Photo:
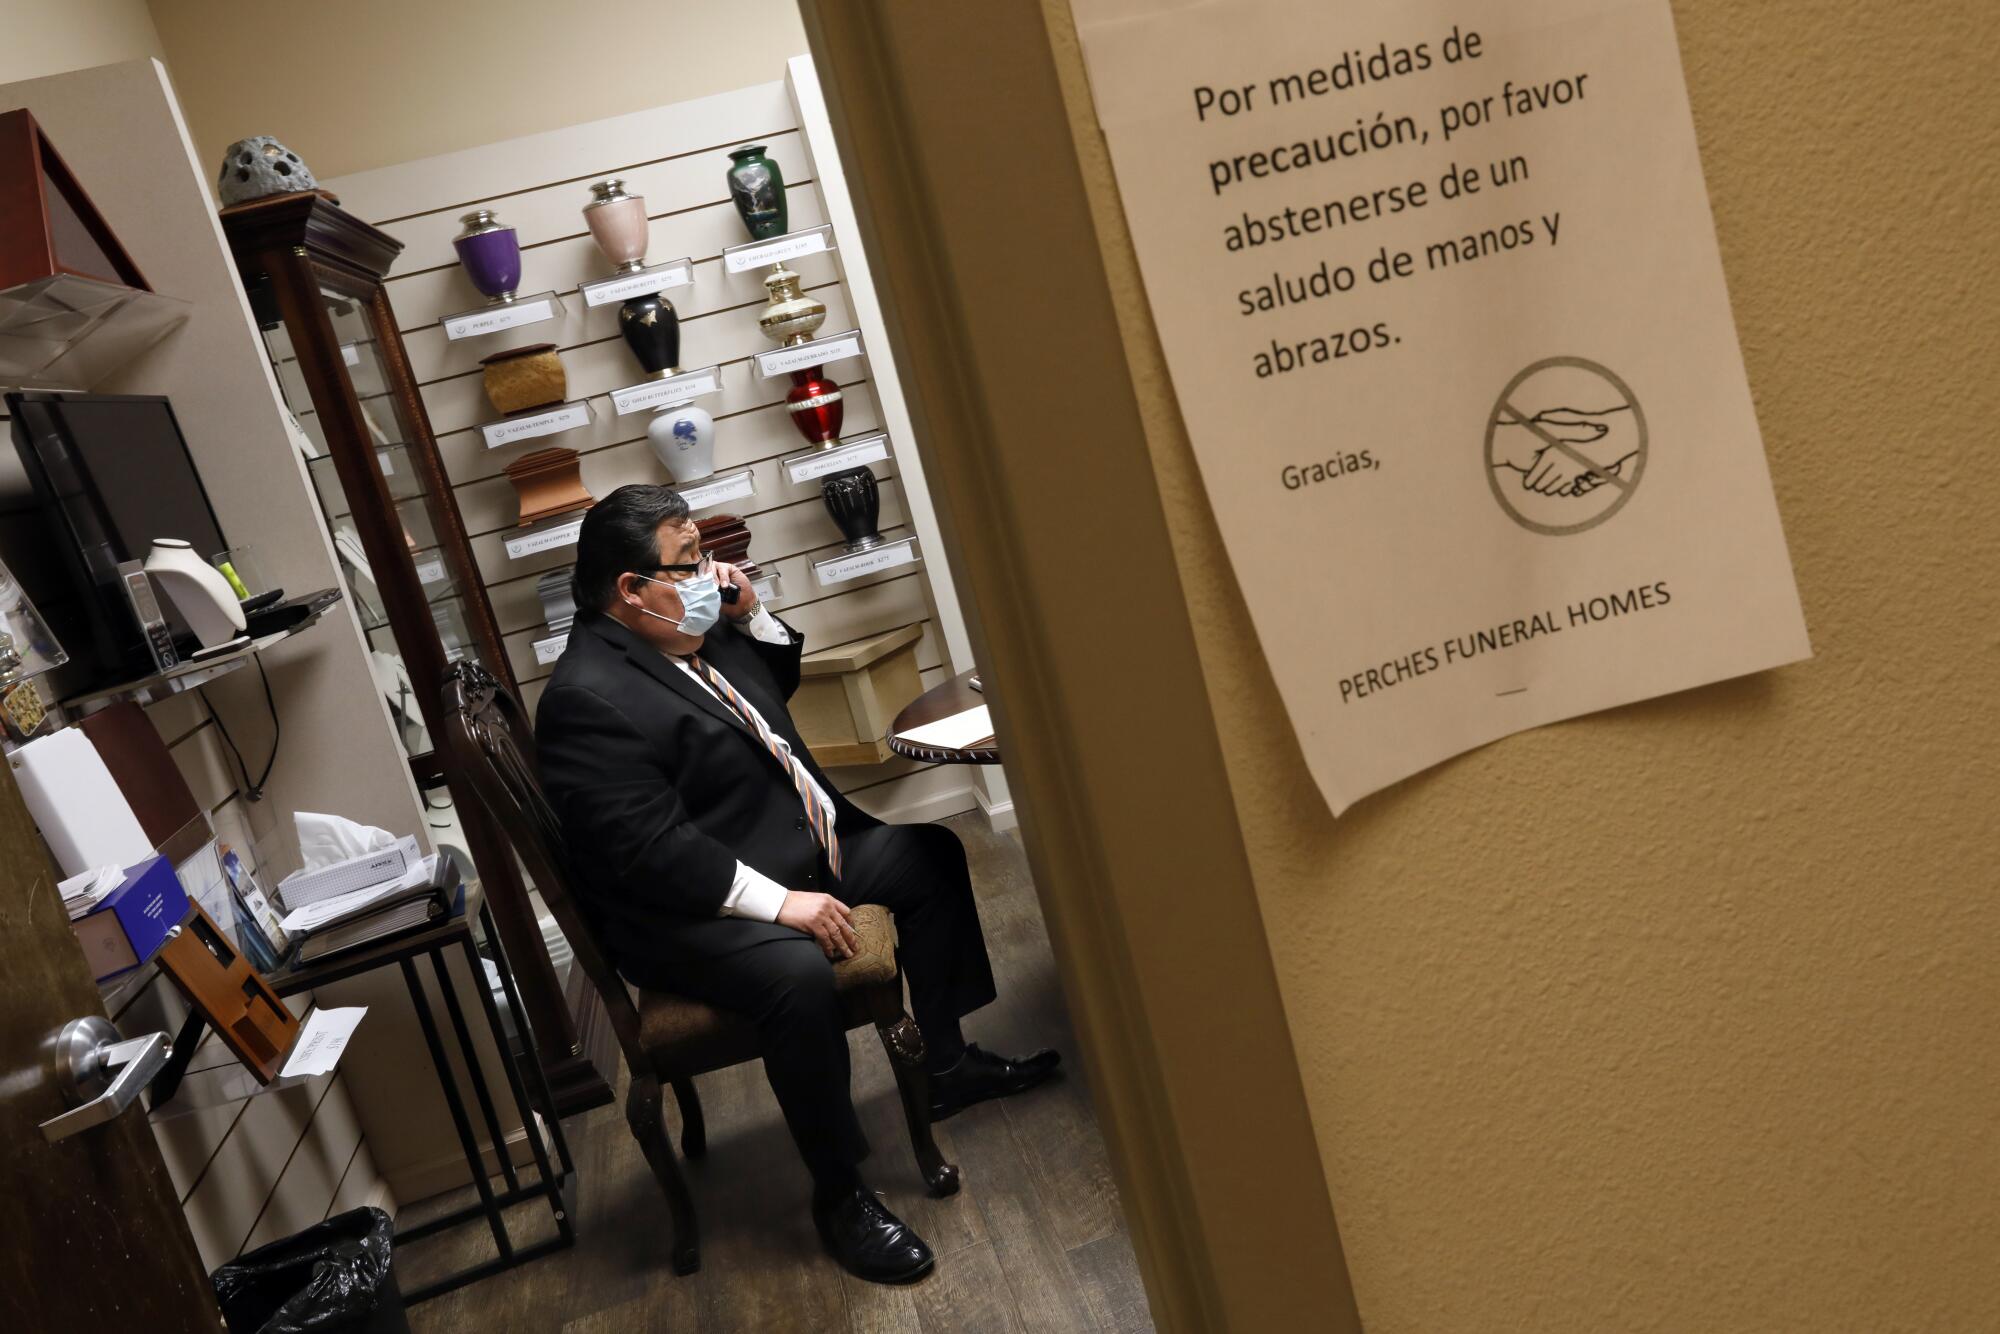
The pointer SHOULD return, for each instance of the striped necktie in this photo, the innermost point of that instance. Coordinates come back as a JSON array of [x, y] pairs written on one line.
[[818, 819]]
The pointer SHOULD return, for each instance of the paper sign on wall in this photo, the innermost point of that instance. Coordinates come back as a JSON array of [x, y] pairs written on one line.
[[1440, 294]]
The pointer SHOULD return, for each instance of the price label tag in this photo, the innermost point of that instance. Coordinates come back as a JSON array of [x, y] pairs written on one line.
[[388, 465], [802, 468], [818, 352], [565, 418], [548, 650], [548, 539], [430, 572], [659, 393], [623, 286], [736, 486], [840, 569], [792, 245], [767, 588], [492, 319], [350, 354]]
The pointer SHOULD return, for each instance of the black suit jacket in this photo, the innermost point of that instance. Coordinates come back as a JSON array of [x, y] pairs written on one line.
[[661, 791]]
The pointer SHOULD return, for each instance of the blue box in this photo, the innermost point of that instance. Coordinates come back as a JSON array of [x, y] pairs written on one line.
[[130, 925]]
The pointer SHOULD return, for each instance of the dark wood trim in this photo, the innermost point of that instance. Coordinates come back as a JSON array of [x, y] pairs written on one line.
[[27, 238], [306, 244]]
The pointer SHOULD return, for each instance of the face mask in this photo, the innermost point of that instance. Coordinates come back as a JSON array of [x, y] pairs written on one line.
[[701, 605]]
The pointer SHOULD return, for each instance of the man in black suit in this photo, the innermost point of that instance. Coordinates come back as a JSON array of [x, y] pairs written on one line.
[[716, 861]]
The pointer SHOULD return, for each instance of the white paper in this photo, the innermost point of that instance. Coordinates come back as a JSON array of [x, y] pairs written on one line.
[[548, 539], [553, 422], [658, 278], [953, 733], [803, 468], [1439, 290], [735, 486], [816, 352], [498, 317], [357, 901], [322, 1038], [81, 893]]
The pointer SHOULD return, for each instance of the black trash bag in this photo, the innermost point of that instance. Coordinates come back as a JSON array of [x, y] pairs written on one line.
[[332, 1278]]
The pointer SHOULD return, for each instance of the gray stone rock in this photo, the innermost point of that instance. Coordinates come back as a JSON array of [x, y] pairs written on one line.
[[253, 168]]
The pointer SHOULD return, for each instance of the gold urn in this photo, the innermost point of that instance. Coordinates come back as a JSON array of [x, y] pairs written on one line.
[[792, 317]]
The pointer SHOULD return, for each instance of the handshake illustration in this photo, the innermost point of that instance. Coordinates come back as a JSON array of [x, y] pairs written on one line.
[[1567, 452]]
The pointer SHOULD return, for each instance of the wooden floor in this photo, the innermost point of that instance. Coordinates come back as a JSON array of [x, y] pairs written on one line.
[[1034, 1242]]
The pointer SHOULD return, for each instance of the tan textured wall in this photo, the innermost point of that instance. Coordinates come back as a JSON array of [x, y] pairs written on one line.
[[365, 83], [41, 37], [1681, 1017]]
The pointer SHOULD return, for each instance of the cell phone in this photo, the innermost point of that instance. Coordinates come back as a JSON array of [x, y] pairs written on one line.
[[730, 592]]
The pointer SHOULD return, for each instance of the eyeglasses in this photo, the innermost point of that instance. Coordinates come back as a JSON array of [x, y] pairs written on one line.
[[703, 569]]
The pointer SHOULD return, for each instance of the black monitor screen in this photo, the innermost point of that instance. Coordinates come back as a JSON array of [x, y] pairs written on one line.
[[115, 472]]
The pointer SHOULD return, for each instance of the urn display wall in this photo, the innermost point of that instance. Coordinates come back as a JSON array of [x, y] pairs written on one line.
[[757, 188], [490, 252], [618, 224]]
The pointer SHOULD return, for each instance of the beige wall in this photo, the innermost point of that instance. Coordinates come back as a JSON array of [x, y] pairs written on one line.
[[56, 36], [1680, 1017], [367, 83]]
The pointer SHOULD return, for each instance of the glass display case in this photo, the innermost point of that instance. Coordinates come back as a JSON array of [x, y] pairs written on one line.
[[314, 274]]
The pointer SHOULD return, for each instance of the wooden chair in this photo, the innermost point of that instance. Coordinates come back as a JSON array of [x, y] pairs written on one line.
[[666, 1038]]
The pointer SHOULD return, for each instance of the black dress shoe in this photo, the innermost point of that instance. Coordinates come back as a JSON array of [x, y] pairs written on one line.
[[980, 1076], [858, 1230]]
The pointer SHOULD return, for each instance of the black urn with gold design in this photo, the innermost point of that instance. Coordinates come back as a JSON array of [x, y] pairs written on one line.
[[652, 329]]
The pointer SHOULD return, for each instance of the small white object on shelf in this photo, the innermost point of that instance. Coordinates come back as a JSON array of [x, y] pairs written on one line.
[[681, 388], [549, 649], [197, 590], [553, 422], [792, 245], [803, 468], [532, 541], [623, 286], [769, 588], [740, 485], [507, 315], [855, 564], [813, 352]]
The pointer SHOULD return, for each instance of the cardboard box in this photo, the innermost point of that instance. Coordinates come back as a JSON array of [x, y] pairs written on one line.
[[129, 926]]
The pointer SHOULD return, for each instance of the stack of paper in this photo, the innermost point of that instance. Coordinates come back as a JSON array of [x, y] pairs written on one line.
[[970, 728], [81, 893]]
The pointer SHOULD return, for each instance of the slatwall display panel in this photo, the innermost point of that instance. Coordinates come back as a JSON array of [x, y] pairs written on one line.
[[676, 158], [249, 1170]]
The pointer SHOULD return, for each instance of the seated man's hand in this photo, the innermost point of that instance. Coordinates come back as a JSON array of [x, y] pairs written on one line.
[[824, 918]]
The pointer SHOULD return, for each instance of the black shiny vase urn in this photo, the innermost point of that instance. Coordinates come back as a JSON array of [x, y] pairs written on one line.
[[652, 329], [855, 501]]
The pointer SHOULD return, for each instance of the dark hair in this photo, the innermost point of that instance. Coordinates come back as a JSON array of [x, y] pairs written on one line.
[[620, 533]]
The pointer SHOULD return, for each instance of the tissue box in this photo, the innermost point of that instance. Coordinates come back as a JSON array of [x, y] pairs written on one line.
[[128, 927], [370, 868]]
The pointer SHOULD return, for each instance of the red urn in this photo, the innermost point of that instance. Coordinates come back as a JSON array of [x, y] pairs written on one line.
[[815, 405]]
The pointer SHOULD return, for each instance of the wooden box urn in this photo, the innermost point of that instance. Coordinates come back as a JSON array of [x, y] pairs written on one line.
[[548, 483], [848, 697]]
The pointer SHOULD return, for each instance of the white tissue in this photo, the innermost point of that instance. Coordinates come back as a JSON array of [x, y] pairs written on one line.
[[326, 839]]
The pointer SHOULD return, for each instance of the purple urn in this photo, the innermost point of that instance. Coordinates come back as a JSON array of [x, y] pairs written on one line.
[[491, 254]]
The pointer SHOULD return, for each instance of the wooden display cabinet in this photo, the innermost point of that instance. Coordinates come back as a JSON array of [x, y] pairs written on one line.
[[315, 274]]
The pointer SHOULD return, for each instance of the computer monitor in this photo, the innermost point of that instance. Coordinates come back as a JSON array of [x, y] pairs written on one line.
[[111, 473]]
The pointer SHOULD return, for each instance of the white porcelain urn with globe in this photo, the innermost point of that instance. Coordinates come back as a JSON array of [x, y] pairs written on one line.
[[683, 439]]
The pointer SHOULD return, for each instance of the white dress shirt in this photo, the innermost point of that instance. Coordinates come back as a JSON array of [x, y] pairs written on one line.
[[752, 893]]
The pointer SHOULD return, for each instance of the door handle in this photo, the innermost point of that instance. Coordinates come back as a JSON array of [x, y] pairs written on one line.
[[100, 1071]]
